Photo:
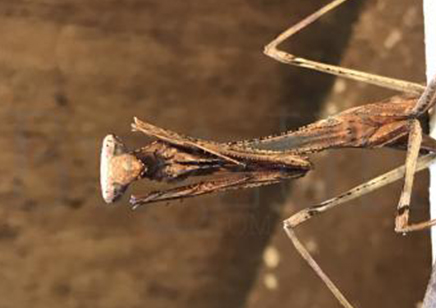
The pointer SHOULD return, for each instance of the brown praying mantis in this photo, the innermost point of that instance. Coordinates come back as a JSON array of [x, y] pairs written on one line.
[[174, 158]]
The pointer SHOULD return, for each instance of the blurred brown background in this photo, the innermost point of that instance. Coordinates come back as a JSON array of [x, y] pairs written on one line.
[[72, 71]]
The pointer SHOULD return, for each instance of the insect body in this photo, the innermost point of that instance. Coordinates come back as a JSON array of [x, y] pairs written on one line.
[[393, 122], [174, 158]]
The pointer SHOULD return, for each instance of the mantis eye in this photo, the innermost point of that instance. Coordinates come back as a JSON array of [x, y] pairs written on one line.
[[118, 168]]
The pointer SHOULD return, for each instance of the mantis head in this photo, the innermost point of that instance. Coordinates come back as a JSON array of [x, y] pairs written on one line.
[[118, 168]]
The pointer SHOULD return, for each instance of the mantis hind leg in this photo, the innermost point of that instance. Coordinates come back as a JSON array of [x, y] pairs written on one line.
[[302, 250], [426, 101], [302, 216], [272, 51], [413, 147]]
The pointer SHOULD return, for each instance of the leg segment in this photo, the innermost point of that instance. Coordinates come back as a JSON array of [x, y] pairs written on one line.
[[314, 265], [272, 51], [358, 191], [180, 140], [413, 146], [426, 101], [403, 210], [305, 214], [238, 181]]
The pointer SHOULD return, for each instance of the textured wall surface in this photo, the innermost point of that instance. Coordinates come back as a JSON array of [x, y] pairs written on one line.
[[72, 71]]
